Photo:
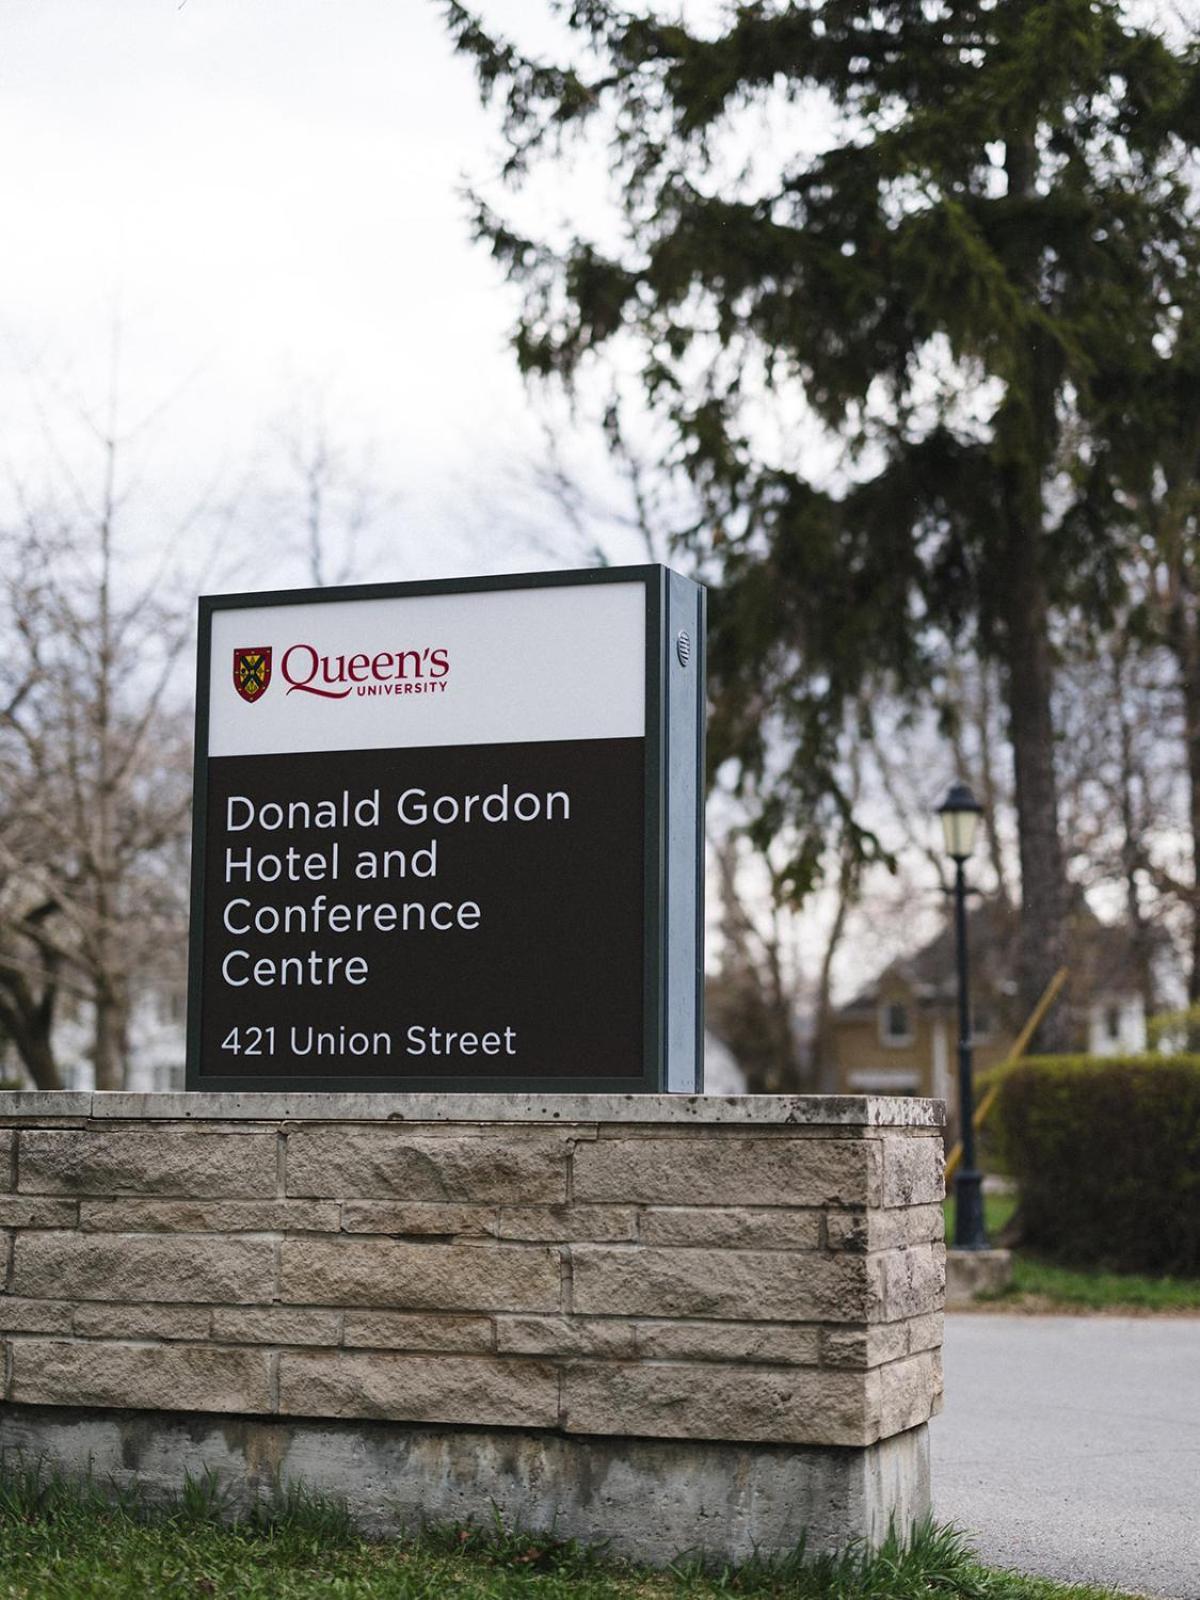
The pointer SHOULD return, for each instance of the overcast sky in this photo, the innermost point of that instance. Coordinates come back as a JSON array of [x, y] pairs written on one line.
[[266, 192]]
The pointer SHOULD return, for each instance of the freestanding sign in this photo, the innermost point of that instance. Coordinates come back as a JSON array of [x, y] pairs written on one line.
[[449, 836]]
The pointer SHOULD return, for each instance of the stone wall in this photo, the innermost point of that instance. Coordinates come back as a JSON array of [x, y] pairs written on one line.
[[765, 1271]]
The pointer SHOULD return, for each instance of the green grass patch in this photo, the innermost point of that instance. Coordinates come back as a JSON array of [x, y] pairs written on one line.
[[63, 1542], [997, 1212], [1096, 1290], [1043, 1284]]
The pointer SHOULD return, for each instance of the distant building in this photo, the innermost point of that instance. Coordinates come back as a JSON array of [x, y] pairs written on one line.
[[899, 1035]]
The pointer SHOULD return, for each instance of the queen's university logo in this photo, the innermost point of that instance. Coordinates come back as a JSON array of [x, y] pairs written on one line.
[[252, 673]]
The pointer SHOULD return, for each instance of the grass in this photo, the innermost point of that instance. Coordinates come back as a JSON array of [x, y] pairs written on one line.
[[67, 1542], [1043, 1285], [997, 1211], [1096, 1290]]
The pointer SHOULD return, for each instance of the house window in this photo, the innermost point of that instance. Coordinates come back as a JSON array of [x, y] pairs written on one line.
[[982, 1022], [895, 1023], [1112, 1022]]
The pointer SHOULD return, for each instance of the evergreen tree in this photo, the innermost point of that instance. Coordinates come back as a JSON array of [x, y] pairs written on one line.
[[1153, 449], [997, 212]]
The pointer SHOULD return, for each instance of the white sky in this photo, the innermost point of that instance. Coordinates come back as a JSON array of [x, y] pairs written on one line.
[[267, 192]]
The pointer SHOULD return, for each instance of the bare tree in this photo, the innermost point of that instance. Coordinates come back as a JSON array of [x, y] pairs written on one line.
[[846, 884], [1121, 761], [94, 748], [754, 997], [322, 494]]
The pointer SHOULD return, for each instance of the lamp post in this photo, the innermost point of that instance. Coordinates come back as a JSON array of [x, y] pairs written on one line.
[[960, 813]]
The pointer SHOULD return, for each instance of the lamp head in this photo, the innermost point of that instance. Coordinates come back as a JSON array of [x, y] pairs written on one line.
[[960, 813]]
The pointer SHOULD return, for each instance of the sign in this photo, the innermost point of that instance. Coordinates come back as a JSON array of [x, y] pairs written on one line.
[[450, 836]]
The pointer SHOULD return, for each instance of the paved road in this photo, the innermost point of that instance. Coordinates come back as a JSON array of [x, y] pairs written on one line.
[[1070, 1447]]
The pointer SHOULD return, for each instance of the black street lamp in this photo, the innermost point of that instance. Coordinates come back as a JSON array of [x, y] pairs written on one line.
[[960, 813]]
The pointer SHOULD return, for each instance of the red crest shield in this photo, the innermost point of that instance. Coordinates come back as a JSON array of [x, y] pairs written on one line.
[[252, 672]]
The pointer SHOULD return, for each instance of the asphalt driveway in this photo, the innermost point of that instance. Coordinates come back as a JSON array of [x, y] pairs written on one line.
[[1070, 1447]]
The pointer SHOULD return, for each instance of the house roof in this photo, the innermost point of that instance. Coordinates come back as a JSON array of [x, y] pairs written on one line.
[[1101, 957]]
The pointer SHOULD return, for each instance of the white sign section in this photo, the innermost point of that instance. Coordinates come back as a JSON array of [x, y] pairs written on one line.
[[446, 669], [448, 836]]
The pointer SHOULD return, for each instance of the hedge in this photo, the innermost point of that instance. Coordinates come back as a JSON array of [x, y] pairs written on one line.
[[1106, 1152]]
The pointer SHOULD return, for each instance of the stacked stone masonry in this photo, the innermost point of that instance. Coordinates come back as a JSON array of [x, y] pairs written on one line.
[[767, 1271]]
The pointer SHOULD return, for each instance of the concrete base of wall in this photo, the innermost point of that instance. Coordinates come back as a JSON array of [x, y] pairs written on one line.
[[647, 1500], [970, 1273]]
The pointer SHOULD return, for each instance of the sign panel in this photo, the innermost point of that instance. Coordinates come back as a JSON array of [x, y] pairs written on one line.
[[449, 836]]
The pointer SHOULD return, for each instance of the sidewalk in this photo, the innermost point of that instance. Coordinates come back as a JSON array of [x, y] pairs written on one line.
[[1070, 1447]]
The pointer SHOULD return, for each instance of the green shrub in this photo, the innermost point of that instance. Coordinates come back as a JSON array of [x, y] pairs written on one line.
[[1106, 1152]]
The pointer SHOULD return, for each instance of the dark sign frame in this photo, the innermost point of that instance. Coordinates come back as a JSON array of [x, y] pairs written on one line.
[[673, 845]]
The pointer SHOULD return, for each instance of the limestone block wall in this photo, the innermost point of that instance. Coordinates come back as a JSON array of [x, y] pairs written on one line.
[[751, 1269]]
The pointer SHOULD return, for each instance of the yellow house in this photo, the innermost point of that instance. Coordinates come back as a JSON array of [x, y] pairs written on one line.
[[899, 1034]]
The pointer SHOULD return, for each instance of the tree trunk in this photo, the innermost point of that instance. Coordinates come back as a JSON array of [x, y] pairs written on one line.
[[1026, 432], [28, 1025], [990, 789], [1133, 853], [824, 1048], [1174, 581], [38, 1056], [1043, 875], [1186, 647], [109, 1047]]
